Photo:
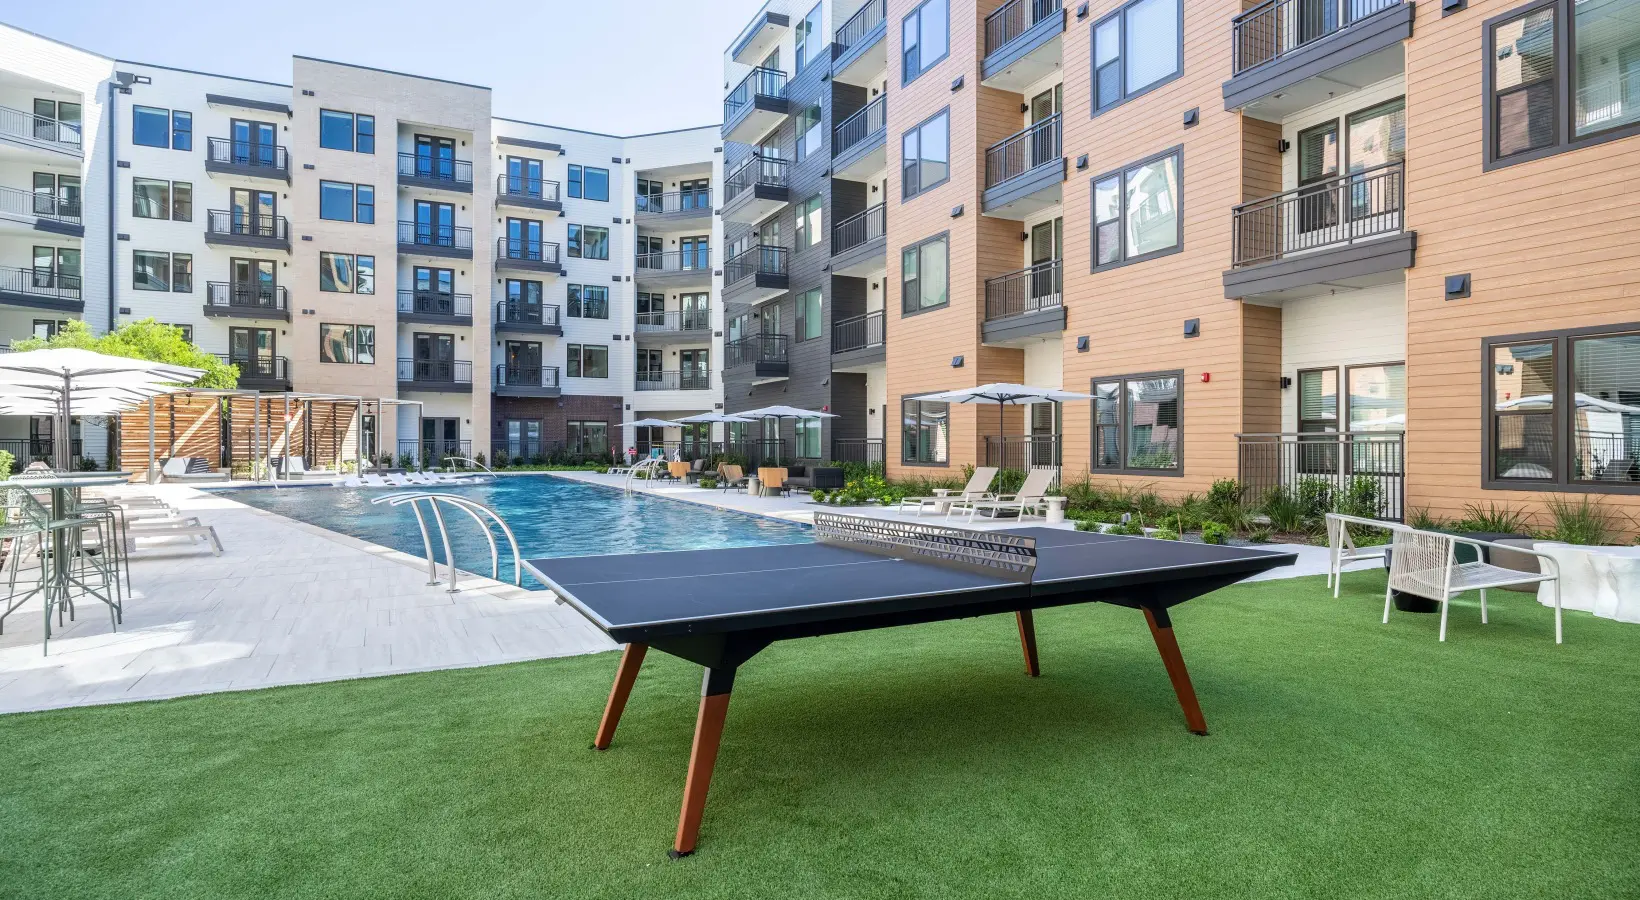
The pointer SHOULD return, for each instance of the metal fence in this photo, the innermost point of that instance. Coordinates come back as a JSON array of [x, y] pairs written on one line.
[[760, 82], [527, 376], [1023, 151], [673, 381], [859, 228], [435, 303], [674, 320], [1026, 291], [858, 332], [429, 234], [868, 120], [755, 348], [527, 251], [40, 282], [857, 450], [264, 368], [247, 153], [21, 124], [1326, 464], [432, 452], [1021, 453], [436, 371], [1277, 27], [243, 224], [42, 205], [763, 259], [1328, 213], [27, 450], [526, 187], [756, 169], [676, 201], [1014, 19], [247, 295], [858, 25], [510, 313], [436, 168], [697, 260]]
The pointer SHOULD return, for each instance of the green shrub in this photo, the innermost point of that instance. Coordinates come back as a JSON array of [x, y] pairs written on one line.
[[1087, 525], [1499, 518], [6, 463], [1420, 518], [1284, 509], [479, 458], [1259, 536], [1224, 492], [707, 482], [1582, 521], [1165, 534], [1360, 498], [1130, 527], [1315, 495], [818, 496], [1215, 532], [407, 460], [1224, 504]]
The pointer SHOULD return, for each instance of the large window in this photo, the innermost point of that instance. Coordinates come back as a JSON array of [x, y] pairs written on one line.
[[588, 301], [925, 155], [924, 38], [588, 242], [925, 277], [152, 126], [925, 436], [156, 198], [808, 40], [1564, 411], [807, 228], [156, 271], [1136, 211], [345, 273], [811, 132], [808, 439], [347, 131], [1561, 74], [347, 344], [587, 361], [586, 438], [808, 315], [588, 183], [343, 202], [1137, 424], [182, 130], [1135, 49]]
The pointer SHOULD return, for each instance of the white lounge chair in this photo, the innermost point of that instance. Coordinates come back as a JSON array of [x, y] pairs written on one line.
[[190, 468], [977, 488], [1425, 564], [188, 528], [1341, 549], [418, 478], [1033, 495], [397, 479], [373, 480]]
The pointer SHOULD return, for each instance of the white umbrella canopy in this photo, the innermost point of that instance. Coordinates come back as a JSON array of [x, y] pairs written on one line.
[[654, 423], [1005, 394], [67, 371], [783, 412], [708, 417]]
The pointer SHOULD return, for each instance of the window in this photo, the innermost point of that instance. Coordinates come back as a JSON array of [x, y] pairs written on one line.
[[1135, 49], [187, 332], [1136, 211], [587, 361], [340, 201], [182, 130], [808, 439], [1318, 401], [150, 271], [588, 183], [366, 139], [809, 43], [923, 39], [46, 329], [367, 204], [586, 438], [182, 201], [347, 131], [345, 273], [925, 435], [347, 344], [925, 155], [1137, 424], [150, 127], [182, 273], [808, 222], [808, 315], [588, 301], [588, 242], [150, 198], [924, 275], [811, 134]]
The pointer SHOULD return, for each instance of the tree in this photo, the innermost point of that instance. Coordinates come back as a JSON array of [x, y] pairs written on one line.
[[144, 339]]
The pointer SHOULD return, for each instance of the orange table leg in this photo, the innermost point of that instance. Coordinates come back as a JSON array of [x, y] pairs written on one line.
[[714, 706], [631, 658], [1161, 628], [1027, 642]]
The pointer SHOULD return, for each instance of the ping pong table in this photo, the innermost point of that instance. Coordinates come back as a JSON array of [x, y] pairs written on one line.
[[718, 608]]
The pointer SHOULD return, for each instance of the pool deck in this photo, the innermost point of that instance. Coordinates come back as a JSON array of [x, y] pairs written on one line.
[[292, 603]]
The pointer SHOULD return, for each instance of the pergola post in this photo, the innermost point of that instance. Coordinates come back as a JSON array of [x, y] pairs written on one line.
[[153, 474]]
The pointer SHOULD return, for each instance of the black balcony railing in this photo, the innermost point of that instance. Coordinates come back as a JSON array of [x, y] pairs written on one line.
[[760, 82], [259, 367], [857, 333], [1328, 213], [240, 224], [428, 234], [675, 320], [249, 296], [755, 349], [763, 259], [436, 371], [41, 205], [527, 251], [429, 452], [511, 313], [16, 123], [27, 450], [1326, 463], [1021, 453], [1014, 19], [1023, 151], [247, 153], [857, 450], [673, 381], [756, 169], [526, 187], [1277, 27], [859, 229], [39, 282], [697, 260], [858, 26], [868, 120], [1026, 291], [526, 376], [436, 168], [435, 303], [696, 199]]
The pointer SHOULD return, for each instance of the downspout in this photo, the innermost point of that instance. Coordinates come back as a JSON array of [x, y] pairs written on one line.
[[113, 208]]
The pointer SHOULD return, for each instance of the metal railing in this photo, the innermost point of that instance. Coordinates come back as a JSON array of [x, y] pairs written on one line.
[[436, 371], [1277, 27], [1014, 19], [1026, 291], [247, 295], [27, 450], [674, 320], [1325, 465], [427, 453], [428, 234], [1611, 98], [527, 251], [436, 168], [863, 123], [858, 332], [526, 376], [247, 153], [857, 450], [755, 349], [756, 169], [1328, 213], [19, 202], [239, 224], [39, 282], [16, 123], [858, 25], [526, 187], [698, 199], [1023, 151], [479, 513], [435, 303], [763, 259], [1022, 453], [264, 368], [760, 82], [525, 313], [697, 260], [859, 228], [673, 381]]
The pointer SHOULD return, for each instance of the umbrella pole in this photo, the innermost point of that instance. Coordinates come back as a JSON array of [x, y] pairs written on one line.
[[65, 442]]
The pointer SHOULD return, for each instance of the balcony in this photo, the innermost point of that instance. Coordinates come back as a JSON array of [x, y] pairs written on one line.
[[675, 208], [756, 274], [435, 307], [524, 318], [672, 381], [760, 37], [260, 373], [435, 173], [858, 52], [756, 189], [1025, 173], [1022, 43], [233, 300], [765, 353], [1338, 459], [755, 106], [40, 289], [1343, 232], [1025, 304], [443, 376], [443, 241], [1288, 55], [682, 268], [526, 381], [41, 212], [528, 193], [674, 327], [236, 229], [245, 159], [858, 341], [859, 243], [858, 143], [527, 256], [40, 133]]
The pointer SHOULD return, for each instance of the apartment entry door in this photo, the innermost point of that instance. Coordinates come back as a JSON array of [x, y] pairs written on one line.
[[523, 362], [253, 142], [435, 290], [252, 350], [435, 357], [695, 369], [253, 283], [435, 157], [523, 239], [1047, 244], [435, 223], [441, 435], [252, 212], [524, 176]]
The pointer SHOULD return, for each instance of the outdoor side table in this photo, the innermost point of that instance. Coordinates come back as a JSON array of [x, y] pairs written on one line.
[[1056, 510]]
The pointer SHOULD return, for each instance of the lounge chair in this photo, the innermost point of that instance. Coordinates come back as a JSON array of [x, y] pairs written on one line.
[[397, 479], [1032, 496], [730, 476], [1341, 549], [188, 528], [373, 480], [418, 478], [771, 479], [977, 488], [190, 468], [289, 467], [696, 470], [1425, 564]]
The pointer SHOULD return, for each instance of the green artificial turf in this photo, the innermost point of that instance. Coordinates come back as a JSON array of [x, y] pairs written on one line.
[[1347, 759]]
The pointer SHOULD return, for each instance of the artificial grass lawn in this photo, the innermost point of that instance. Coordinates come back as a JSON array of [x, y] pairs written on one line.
[[1347, 759]]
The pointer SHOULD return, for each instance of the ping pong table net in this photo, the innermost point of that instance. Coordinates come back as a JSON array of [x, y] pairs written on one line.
[[1003, 555]]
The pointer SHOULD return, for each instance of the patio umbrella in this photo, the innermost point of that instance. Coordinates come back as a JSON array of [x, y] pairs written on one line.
[[67, 370], [710, 417], [654, 423], [784, 412], [1004, 394]]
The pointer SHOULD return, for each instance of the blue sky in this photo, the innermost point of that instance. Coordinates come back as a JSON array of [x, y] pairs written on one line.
[[615, 66]]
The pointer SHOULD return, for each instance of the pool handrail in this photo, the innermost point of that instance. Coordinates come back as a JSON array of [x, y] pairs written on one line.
[[650, 465], [473, 509]]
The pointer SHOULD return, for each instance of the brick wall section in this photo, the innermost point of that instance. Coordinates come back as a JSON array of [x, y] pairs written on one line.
[[553, 412]]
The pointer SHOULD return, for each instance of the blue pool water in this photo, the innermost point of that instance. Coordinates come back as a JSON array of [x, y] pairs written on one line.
[[549, 516]]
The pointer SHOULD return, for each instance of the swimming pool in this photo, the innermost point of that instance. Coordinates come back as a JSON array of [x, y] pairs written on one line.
[[549, 516]]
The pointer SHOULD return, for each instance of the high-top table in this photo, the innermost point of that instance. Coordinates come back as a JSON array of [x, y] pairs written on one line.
[[64, 489]]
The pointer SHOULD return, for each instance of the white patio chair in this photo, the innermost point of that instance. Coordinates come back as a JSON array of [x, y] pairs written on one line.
[[1033, 495], [1341, 549], [977, 488], [1425, 564]]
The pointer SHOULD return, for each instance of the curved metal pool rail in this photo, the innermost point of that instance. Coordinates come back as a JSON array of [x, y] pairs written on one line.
[[487, 470], [652, 465], [481, 514]]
